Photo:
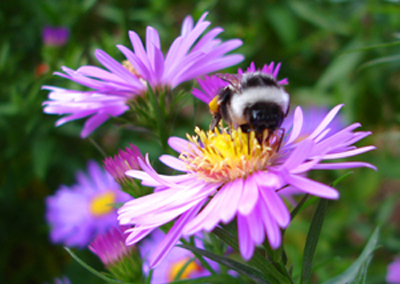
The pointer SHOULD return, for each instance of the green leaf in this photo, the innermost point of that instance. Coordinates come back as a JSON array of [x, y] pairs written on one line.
[[213, 279], [379, 61], [339, 69], [357, 272], [318, 17], [253, 274], [94, 271], [372, 47], [258, 261], [312, 239]]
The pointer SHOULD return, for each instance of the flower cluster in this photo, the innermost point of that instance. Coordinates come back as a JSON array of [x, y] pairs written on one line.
[[227, 174]]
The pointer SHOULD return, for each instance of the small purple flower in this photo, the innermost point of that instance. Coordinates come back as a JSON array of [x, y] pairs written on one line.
[[176, 259], [55, 36], [393, 272], [62, 280], [229, 174], [211, 85], [78, 213], [124, 161], [110, 247], [189, 56]]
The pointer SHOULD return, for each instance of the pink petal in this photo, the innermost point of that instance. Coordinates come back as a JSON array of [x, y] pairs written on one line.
[[249, 196]]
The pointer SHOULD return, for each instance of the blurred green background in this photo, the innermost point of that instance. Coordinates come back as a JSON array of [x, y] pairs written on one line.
[[332, 52]]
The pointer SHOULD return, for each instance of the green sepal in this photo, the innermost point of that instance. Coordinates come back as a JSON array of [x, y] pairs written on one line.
[[101, 275]]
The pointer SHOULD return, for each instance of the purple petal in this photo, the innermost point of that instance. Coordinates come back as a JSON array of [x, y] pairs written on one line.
[[349, 153], [246, 245], [254, 221], [136, 234], [299, 154], [114, 66], [312, 187], [232, 196], [344, 165], [271, 227], [92, 123], [276, 206], [325, 122], [173, 236], [297, 125], [209, 217]]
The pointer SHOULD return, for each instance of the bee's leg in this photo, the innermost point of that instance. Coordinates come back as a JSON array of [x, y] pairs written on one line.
[[245, 128], [215, 120]]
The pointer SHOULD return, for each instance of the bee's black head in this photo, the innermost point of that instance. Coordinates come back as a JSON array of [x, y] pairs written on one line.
[[264, 115]]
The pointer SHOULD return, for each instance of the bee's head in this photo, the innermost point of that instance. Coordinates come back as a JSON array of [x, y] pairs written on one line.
[[263, 115]]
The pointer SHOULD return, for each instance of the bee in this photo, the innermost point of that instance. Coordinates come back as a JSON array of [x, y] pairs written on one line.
[[252, 101]]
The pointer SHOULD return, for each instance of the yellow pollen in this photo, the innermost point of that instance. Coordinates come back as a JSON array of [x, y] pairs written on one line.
[[177, 266], [102, 204], [223, 156]]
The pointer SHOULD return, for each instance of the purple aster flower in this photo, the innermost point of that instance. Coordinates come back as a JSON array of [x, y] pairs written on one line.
[[190, 55], [78, 213], [229, 174], [393, 272], [211, 85], [110, 247], [176, 259], [55, 36], [124, 161]]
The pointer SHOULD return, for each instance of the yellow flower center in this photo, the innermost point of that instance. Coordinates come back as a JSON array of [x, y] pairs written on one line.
[[101, 204], [177, 267], [223, 156]]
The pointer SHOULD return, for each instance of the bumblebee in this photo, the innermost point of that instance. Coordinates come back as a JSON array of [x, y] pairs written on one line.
[[252, 101]]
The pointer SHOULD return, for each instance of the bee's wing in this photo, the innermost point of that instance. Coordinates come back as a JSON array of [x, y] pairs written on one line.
[[232, 79]]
